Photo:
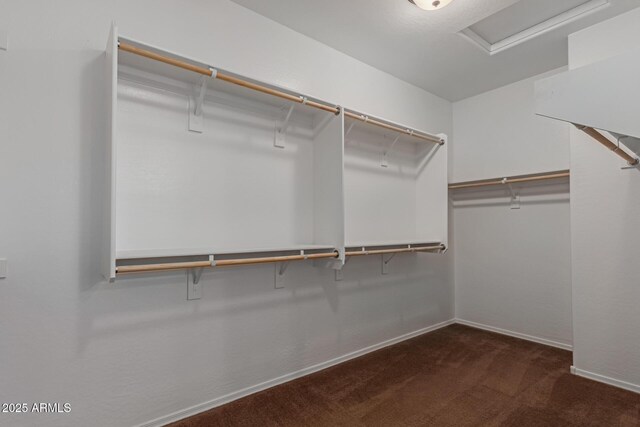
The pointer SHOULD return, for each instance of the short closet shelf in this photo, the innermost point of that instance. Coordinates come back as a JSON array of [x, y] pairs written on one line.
[[395, 185]]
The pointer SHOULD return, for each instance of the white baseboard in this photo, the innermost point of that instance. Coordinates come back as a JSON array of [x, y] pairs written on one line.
[[515, 334], [604, 379], [205, 406]]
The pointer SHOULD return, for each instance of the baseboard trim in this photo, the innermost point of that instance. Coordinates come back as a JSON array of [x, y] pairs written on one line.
[[205, 406], [538, 340], [606, 380]]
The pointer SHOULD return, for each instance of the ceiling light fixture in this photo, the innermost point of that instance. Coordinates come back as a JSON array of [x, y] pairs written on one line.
[[431, 4]]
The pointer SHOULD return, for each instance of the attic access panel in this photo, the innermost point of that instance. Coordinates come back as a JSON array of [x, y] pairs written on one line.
[[526, 20]]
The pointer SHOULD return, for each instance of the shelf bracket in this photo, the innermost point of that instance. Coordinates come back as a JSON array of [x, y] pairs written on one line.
[[385, 161], [196, 275], [196, 123], [280, 268], [194, 289], [349, 129], [515, 198], [365, 119], [385, 263], [281, 131], [627, 166], [630, 167]]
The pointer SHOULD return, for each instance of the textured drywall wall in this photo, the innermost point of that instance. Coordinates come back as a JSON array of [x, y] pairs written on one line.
[[127, 353], [513, 266], [498, 134], [604, 231]]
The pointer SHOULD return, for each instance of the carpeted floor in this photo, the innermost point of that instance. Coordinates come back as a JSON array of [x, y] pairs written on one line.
[[456, 376]]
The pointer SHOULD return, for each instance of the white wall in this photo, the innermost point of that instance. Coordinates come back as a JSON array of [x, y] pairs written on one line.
[[512, 267], [128, 353], [498, 134], [604, 232]]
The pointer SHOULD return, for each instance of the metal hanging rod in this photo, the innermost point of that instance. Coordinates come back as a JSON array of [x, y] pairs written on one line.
[[396, 251], [511, 180], [633, 161], [213, 73], [145, 268]]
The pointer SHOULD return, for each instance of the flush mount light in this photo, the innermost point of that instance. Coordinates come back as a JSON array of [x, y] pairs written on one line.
[[431, 4]]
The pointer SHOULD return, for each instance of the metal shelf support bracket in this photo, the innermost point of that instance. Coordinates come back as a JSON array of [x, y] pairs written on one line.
[[281, 131], [515, 198], [385, 160], [196, 123], [385, 262]]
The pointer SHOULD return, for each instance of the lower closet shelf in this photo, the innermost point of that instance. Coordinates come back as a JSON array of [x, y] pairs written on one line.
[[129, 262], [190, 259]]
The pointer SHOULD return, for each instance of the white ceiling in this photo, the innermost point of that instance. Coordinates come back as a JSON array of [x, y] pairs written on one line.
[[424, 48]]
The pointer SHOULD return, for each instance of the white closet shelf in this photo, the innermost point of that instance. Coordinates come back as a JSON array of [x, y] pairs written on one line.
[[192, 252], [173, 66], [517, 179], [164, 64], [387, 243], [394, 248], [352, 117], [578, 96], [169, 264]]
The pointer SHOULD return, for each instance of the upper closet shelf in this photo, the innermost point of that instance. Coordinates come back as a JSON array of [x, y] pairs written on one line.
[[353, 117], [580, 97], [153, 60]]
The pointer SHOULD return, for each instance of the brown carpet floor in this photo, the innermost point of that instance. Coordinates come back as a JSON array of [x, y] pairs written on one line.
[[456, 376]]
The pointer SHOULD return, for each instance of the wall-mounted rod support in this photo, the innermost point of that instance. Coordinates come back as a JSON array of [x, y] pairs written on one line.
[[285, 123], [124, 269], [349, 129], [283, 267], [511, 180], [196, 123], [212, 72], [633, 161], [388, 260], [515, 198], [385, 160], [279, 140], [393, 144], [200, 99], [196, 274]]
